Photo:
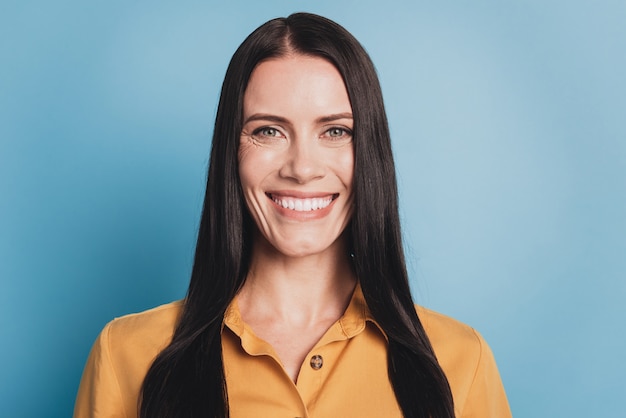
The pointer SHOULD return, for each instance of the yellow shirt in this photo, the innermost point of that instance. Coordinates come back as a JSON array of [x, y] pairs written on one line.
[[345, 374]]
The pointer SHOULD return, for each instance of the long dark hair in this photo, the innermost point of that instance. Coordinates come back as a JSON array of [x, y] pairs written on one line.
[[187, 378]]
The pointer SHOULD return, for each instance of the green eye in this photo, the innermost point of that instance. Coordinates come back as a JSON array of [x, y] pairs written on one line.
[[336, 132], [268, 132], [268, 135]]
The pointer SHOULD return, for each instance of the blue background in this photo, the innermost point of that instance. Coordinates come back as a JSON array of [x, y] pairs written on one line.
[[508, 122]]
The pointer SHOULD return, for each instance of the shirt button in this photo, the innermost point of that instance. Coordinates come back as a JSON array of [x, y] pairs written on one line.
[[317, 362]]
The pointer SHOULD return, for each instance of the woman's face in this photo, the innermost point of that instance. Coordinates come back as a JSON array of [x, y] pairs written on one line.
[[296, 157]]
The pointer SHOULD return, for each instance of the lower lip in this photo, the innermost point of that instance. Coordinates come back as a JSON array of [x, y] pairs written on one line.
[[305, 215]]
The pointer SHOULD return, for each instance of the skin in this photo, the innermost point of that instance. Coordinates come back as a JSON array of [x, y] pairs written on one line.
[[296, 162]]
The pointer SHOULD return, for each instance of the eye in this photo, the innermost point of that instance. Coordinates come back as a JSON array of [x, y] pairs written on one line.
[[267, 131], [338, 133]]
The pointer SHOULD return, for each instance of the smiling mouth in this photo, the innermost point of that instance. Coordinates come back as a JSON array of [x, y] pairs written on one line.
[[303, 205]]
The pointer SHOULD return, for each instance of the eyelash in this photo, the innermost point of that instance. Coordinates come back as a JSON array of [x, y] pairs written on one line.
[[262, 131], [344, 132]]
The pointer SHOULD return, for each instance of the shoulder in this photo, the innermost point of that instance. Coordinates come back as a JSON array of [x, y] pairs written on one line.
[[444, 331], [120, 358], [152, 328], [458, 347], [469, 365]]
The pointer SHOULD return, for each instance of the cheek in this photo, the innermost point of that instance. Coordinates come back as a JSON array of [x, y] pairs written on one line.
[[255, 164], [245, 174], [345, 167], [246, 171]]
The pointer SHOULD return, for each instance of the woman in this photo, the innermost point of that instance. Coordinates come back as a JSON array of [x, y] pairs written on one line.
[[299, 303]]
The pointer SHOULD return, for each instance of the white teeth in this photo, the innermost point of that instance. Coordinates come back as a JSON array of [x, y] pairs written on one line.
[[302, 205]]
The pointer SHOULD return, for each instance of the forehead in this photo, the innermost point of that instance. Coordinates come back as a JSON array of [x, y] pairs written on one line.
[[296, 84]]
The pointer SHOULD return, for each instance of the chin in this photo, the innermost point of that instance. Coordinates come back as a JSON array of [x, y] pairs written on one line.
[[301, 249], [312, 244], [301, 242]]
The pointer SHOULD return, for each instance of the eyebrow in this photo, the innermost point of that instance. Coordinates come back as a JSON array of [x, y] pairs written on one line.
[[280, 119], [334, 117]]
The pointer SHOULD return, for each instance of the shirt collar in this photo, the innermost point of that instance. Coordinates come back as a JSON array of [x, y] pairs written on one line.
[[352, 322]]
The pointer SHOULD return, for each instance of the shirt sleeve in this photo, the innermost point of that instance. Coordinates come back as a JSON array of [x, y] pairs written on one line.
[[486, 397], [99, 394]]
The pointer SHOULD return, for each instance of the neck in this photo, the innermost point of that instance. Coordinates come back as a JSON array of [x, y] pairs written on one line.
[[302, 290]]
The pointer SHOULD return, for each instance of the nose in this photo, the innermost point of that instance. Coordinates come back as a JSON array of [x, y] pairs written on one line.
[[304, 162]]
